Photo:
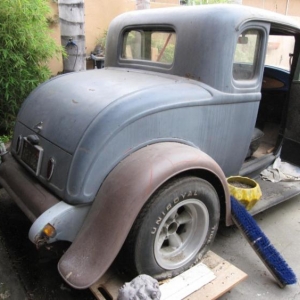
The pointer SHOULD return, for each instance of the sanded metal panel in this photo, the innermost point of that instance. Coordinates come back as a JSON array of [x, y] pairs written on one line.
[[121, 197]]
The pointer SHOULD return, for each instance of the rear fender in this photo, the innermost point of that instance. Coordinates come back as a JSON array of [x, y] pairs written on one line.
[[118, 202]]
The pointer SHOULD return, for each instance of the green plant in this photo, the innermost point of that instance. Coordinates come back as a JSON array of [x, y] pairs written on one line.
[[165, 44], [101, 41], [25, 49], [53, 20], [5, 139]]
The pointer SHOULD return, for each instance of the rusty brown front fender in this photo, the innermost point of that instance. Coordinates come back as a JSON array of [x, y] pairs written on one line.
[[119, 200]]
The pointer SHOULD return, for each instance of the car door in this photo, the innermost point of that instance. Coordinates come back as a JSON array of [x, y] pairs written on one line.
[[290, 151]]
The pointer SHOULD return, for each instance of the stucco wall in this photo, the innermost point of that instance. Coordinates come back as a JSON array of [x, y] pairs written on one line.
[[98, 15], [286, 7], [55, 64]]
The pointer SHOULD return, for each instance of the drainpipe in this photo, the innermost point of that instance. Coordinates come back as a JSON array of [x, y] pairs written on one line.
[[142, 4], [72, 22], [287, 6]]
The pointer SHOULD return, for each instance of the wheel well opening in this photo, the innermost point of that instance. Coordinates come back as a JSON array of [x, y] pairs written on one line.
[[213, 180]]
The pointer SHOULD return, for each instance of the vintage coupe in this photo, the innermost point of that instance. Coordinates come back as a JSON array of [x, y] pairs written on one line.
[[131, 161]]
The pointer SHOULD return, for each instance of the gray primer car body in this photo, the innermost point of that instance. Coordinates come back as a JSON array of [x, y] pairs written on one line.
[[112, 126], [93, 123]]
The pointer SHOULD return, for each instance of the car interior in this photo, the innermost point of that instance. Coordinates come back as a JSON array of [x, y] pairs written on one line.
[[274, 96]]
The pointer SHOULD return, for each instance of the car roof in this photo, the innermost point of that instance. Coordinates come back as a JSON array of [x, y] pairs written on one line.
[[206, 37], [198, 15]]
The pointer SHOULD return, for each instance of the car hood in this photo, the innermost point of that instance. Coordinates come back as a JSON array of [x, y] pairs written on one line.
[[65, 106]]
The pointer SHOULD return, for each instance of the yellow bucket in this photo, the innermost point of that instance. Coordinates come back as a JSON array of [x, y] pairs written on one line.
[[244, 189]]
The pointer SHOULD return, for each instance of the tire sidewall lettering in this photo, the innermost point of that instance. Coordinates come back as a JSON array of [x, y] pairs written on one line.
[[170, 205], [154, 214]]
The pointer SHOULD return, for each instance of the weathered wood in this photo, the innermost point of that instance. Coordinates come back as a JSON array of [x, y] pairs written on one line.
[[186, 283], [226, 277], [110, 283], [71, 16]]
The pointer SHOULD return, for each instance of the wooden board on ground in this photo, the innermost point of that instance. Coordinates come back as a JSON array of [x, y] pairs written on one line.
[[227, 277], [217, 277]]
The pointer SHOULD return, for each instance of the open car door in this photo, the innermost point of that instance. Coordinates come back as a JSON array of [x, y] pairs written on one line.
[[290, 151]]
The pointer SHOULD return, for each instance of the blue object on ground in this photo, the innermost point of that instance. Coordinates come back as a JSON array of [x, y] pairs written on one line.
[[273, 260]]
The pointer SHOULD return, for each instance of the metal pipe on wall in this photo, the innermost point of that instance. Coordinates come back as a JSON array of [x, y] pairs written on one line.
[[287, 6]]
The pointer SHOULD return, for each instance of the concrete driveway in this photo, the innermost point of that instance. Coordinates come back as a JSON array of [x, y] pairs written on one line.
[[281, 224]]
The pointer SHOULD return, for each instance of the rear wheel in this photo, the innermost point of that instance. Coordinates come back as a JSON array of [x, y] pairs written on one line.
[[174, 229]]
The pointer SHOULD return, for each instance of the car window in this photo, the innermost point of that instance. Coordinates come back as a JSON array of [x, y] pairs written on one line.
[[246, 53], [278, 51], [149, 45]]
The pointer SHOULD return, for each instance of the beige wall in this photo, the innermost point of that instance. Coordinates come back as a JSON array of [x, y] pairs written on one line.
[[286, 7], [98, 15], [55, 64]]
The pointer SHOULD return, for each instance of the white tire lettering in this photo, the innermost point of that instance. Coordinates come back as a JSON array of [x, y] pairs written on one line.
[[211, 234], [176, 200], [170, 205], [158, 220]]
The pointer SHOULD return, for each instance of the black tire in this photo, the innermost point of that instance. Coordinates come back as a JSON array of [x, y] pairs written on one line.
[[174, 229]]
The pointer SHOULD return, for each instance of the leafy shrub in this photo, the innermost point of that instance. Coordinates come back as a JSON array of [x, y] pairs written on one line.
[[101, 42], [4, 139], [25, 48]]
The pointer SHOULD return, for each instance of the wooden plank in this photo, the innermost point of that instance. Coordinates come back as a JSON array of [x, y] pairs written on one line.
[[186, 283], [110, 283], [225, 277]]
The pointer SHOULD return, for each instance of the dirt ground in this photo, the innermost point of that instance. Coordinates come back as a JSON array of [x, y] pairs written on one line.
[[25, 272]]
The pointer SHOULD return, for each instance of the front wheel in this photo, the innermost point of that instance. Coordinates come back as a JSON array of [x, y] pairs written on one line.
[[174, 229]]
